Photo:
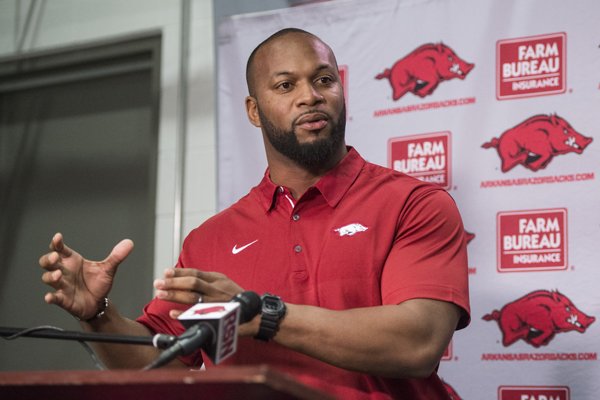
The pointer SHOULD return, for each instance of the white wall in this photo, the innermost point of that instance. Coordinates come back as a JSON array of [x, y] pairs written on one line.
[[60, 23]]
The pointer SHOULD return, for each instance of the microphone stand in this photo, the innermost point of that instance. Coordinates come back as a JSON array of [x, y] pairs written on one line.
[[160, 341]]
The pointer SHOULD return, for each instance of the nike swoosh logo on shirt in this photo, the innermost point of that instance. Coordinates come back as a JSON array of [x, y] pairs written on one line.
[[236, 249]]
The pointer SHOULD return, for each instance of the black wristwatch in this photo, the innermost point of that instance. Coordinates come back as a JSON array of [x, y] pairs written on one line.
[[273, 311]]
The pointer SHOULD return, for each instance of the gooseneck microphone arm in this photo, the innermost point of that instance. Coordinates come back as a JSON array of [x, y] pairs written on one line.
[[160, 341]]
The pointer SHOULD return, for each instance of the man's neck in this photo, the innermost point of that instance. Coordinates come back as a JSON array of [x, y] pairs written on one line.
[[297, 179]]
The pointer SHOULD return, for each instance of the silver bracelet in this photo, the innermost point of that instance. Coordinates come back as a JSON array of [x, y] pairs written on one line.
[[100, 313]]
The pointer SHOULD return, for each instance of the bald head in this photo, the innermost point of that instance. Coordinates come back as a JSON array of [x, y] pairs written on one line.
[[279, 35]]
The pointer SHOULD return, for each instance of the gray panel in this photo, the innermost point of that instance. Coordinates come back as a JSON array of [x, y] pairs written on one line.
[[79, 158]]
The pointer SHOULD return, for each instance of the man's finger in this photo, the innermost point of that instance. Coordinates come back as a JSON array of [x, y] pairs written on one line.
[[49, 261], [178, 296], [43, 261], [204, 275], [180, 272], [54, 298], [187, 283], [58, 244], [52, 278], [119, 252], [49, 298]]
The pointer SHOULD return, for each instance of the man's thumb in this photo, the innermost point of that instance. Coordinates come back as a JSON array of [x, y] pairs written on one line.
[[120, 252]]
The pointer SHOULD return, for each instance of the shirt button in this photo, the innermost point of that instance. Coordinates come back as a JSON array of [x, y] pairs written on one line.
[[297, 248], [295, 217], [281, 189]]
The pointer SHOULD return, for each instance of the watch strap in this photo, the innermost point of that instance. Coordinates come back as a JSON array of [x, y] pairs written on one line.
[[269, 325], [270, 318]]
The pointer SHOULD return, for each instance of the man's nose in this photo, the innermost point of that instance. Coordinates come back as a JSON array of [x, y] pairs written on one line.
[[309, 95]]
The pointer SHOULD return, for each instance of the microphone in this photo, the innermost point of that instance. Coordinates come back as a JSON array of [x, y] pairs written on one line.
[[212, 327]]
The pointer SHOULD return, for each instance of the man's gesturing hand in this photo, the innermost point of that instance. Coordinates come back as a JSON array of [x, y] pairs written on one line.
[[80, 284]]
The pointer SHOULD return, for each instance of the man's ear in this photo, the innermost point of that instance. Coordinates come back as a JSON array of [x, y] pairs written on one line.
[[252, 111]]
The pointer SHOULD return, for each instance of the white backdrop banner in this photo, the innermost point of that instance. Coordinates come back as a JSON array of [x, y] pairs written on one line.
[[498, 102]]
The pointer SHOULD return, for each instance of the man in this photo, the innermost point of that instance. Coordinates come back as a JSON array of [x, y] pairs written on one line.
[[370, 264]]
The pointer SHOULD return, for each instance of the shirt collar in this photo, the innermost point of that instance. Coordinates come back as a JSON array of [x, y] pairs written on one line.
[[332, 185]]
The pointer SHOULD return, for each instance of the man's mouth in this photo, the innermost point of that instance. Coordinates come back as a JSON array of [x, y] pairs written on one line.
[[312, 121]]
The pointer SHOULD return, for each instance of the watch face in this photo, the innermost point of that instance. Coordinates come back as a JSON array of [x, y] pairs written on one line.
[[272, 305]]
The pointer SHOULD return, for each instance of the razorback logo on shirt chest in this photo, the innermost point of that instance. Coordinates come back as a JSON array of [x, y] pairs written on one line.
[[351, 229]]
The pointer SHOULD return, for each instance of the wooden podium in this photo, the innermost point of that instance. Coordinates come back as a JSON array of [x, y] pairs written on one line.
[[237, 383]]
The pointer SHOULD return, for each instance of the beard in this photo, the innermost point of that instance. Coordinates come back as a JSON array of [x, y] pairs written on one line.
[[312, 156]]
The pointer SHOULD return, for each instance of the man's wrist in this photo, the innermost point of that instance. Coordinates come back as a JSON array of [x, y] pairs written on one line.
[[102, 307]]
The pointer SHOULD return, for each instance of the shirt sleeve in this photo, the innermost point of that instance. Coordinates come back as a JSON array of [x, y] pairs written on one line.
[[156, 317], [429, 257]]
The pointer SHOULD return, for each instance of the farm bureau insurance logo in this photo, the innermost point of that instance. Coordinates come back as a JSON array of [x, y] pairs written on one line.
[[531, 66], [422, 70], [425, 157], [534, 393], [537, 317], [533, 240]]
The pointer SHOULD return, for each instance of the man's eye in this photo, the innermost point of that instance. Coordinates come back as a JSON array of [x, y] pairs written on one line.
[[285, 85], [325, 80]]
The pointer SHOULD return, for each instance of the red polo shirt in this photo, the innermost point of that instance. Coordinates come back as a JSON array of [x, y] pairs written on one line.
[[363, 236]]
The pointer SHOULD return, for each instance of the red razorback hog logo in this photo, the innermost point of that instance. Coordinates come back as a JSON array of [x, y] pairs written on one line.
[[535, 141], [421, 71], [537, 317]]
